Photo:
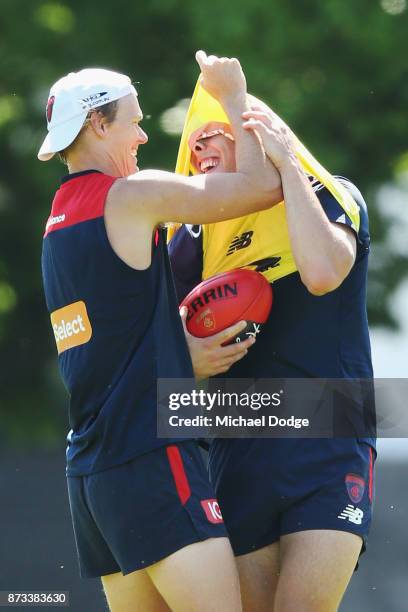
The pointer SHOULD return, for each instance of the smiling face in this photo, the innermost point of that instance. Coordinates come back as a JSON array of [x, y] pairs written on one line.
[[213, 148], [125, 135]]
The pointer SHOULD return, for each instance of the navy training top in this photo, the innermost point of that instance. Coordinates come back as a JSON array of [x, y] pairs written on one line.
[[305, 335], [117, 329]]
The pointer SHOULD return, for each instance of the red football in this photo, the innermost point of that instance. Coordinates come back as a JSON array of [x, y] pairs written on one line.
[[225, 299]]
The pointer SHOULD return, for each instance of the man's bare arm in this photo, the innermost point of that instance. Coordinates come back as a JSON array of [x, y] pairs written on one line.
[[224, 80], [324, 251], [136, 204], [163, 196], [160, 196]]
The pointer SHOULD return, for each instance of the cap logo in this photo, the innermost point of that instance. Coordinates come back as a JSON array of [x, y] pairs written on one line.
[[94, 100], [50, 107]]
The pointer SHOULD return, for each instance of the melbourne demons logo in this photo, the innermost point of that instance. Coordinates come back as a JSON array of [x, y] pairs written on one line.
[[212, 510], [50, 107], [207, 318], [355, 487]]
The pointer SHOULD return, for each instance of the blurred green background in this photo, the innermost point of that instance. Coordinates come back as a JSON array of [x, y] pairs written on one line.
[[336, 70]]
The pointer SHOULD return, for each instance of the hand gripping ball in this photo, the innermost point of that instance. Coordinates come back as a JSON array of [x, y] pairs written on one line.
[[225, 299]]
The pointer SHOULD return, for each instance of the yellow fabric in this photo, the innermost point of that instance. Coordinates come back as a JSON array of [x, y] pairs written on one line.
[[225, 245], [203, 108], [242, 242]]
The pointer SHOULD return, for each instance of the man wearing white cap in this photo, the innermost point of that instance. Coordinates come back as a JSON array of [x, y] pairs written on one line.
[[145, 517]]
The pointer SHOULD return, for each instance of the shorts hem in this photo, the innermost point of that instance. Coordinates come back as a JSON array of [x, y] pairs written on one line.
[[142, 565], [245, 550], [171, 551], [331, 527]]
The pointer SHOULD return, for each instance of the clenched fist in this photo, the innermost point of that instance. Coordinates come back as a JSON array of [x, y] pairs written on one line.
[[222, 77]]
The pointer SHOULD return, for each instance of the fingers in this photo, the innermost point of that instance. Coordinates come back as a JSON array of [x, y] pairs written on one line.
[[230, 350], [183, 313], [204, 60], [224, 363], [227, 334], [209, 356], [201, 57], [226, 356], [258, 115], [257, 125]]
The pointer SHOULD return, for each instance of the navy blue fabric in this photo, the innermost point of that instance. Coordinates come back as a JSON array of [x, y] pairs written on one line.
[[267, 488], [317, 336], [305, 335], [131, 516], [186, 254], [270, 488], [137, 337]]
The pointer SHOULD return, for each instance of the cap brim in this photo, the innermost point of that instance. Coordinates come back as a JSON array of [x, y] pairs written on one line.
[[61, 136]]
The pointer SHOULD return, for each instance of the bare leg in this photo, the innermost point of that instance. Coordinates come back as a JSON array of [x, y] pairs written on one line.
[[201, 577], [259, 575], [316, 567], [133, 593]]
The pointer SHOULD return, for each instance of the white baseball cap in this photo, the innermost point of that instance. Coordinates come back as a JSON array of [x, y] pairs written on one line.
[[70, 100]]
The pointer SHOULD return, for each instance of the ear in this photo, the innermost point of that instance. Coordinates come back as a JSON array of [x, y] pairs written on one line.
[[98, 123]]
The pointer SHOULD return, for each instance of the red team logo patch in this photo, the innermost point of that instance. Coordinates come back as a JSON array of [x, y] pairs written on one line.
[[50, 106], [355, 487], [212, 510]]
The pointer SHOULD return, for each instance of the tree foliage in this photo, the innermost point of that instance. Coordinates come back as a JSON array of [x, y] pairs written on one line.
[[335, 70]]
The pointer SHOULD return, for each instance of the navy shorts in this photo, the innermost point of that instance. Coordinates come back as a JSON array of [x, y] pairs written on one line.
[[268, 488], [131, 516]]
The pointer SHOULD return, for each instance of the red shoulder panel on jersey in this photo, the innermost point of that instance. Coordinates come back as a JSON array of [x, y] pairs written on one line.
[[80, 199]]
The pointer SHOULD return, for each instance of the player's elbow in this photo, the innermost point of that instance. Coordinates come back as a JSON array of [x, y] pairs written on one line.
[[321, 281], [324, 275]]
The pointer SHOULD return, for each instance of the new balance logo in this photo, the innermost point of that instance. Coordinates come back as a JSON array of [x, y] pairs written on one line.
[[54, 220], [352, 514], [240, 242]]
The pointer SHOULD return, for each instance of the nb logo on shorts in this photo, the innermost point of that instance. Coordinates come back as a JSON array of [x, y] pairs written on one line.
[[71, 326], [352, 514], [212, 510]]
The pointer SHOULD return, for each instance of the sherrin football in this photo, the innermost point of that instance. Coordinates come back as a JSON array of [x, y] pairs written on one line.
[[225, 299]]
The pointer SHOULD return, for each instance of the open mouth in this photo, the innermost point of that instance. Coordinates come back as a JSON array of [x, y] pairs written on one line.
[[207, 165]]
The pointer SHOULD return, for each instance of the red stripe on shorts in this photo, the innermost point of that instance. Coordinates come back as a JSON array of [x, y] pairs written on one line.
[[370, 476], [179, 474]]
